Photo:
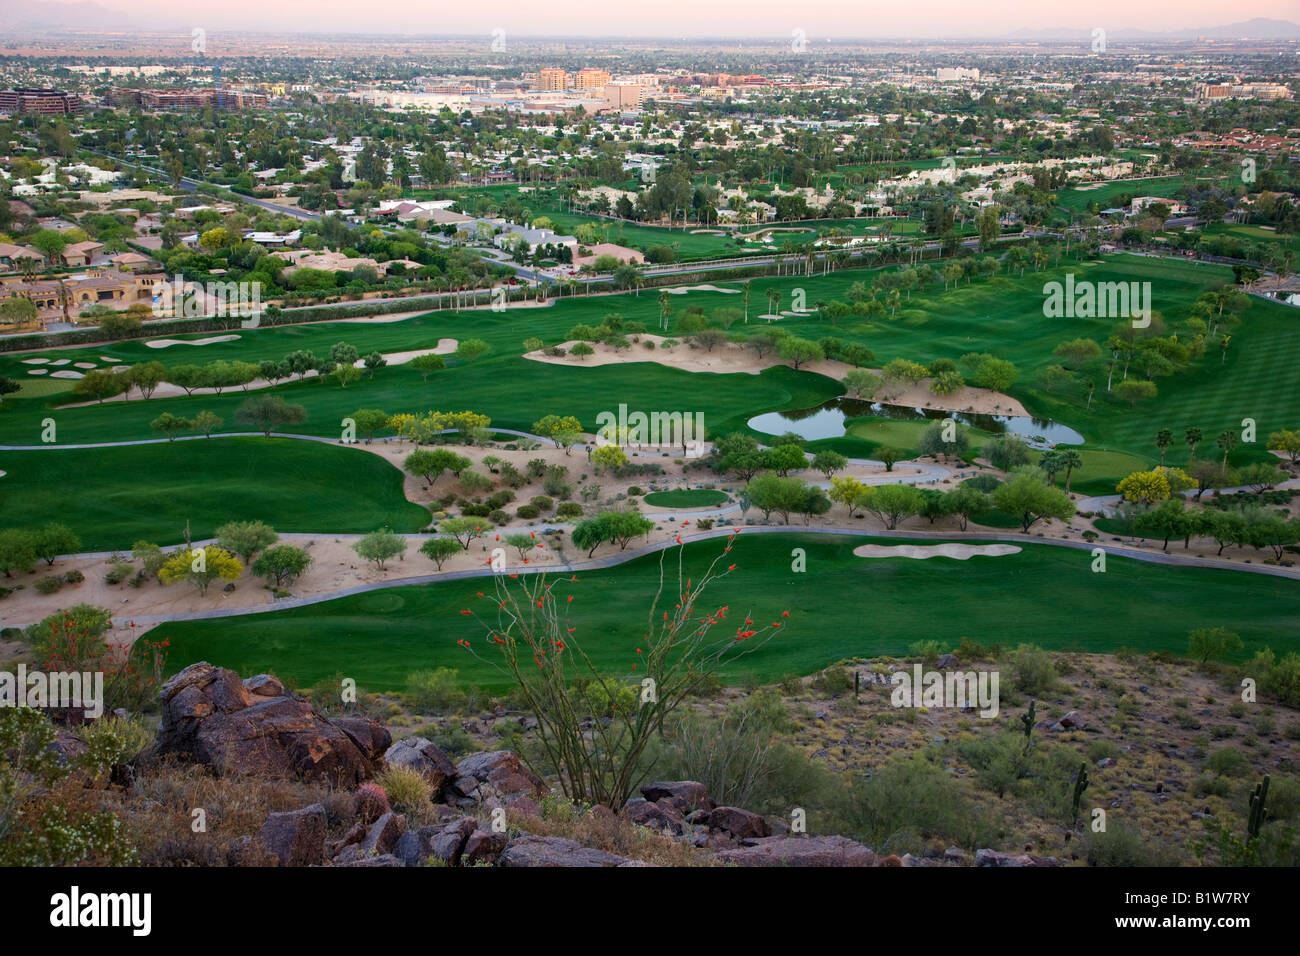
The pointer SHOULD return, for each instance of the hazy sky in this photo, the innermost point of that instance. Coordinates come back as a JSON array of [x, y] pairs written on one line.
[[673, 18]]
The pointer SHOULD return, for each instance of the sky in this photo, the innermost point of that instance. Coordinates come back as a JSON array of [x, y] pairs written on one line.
[[819, 19]]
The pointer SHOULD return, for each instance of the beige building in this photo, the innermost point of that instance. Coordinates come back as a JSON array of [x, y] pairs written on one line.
[[624, 96], [590, 79], [552, 79]]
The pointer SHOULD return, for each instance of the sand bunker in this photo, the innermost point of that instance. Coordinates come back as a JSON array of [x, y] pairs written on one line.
[[66, 373], [61, 361], [210, 340], [38, 371], [683, 289], [36, 361], [445, 347], [921, 551], [109, 358], [83, 364]]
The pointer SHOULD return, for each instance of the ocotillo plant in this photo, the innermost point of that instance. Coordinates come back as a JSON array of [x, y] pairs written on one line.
[[1080, 785], [1257, 808], [1028, 720]]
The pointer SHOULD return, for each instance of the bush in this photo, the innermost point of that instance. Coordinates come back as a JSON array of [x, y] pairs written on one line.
[[569, 509], [498, 517], [1032, 671], [1228, 762], [48, 584], [834, 680], [432, 692], [74, 577], [118, 573], [408, 791], [542, 502], [1123, 845], [527, 512]]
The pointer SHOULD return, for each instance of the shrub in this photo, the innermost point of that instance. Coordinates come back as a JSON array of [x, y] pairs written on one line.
[[408, 791], [74, 577], [569, 509], [1228, 762], [1032, 671], [542, 502], [48, 584], [1123, 845], [118, 573], [432, 692], [498, 516], [527, 512]]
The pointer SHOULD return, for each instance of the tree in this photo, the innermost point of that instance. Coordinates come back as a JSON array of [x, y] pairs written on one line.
[[1226, 441], [564, 430], [8, 386], [888, 456], [101, 384], [1051, 463], [170, 425], [1167, 520], [828, 462], [1259, 476], [1070, 460], [932, 441], [784, 459], [470, 349], [623, 526], [380, 546], [429, 362], [799, 352], [1006, 452], [847, 491], [1164, 437], [589, 535], [17, 551], [1077, 353], [345, 374], [1145, 487], [1193, 437], [438, 550], [1212, 643], [266, 413], [966, 502], [892, 503], [771, 493], [431, 465], [246, 538], [463, 530], [862, 384], [146, 376], [1287, 441], [53, 539], [282, 564], [1031, 501], [608, 457], [200, 567], [1134, 390], [582, 350]]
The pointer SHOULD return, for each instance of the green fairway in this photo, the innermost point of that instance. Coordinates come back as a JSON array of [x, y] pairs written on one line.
[[1079, 198], [686, 498], [843, 606], [113, 497]]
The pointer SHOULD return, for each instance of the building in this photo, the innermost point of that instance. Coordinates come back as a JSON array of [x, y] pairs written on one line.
[[551, 79], [187, 99], [82, 253], [590, 79], [624, 96], [955, 74], [43, 102]]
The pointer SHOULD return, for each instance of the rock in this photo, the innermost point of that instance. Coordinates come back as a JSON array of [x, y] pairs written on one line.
[[818, 851], [420, 755], [739, 823], [384, 860], [380, 839], [496, 773], [211, 717], [947, 660], [994, 858], [531, 850], [955, 853], [483, 846], [686, 795], [1106, 762], [441, 842], [296, 838], [245, 851], [67, 745], [660, 815], [264, 685], [1073, 721]]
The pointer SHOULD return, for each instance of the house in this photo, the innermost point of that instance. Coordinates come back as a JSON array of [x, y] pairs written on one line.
[[272, 238], [512, 234], [82, 253], [131, 262], [12, 256]]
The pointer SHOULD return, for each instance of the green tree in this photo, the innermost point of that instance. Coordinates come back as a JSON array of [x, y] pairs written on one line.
[[380, 546], [892, 503], [246, 538], [1030, 500], [438, 550], [1212, 643], [266, 413], [429, 362], [200, 567], [282, 564], [170, 425], [53, 539]]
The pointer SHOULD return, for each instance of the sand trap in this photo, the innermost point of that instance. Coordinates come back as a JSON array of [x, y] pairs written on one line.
[[109, 358], [36, 361], [682, 290], [445, 347], [66, 373], [921, 551], [83, 364], [38, 371], [210, 340], [61, 361], [707, 232], [384, 319]]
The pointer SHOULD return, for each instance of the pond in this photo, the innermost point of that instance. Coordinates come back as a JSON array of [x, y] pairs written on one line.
[[827, 421]]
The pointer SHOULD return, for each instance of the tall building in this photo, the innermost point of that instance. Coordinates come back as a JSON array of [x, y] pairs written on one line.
[[956, 74], [187, 99], [44, 102], [552, 78], [624, 96], [590, 79]]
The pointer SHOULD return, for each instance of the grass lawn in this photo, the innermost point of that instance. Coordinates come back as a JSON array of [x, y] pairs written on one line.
[[1077, 199], [843, 606], [686, 498], [113, 497]]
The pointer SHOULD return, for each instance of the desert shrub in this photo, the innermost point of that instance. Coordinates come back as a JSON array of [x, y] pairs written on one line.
[[48, 584], [1122, 844], [834, 680], [1032, 671], [925, 650], [1212, 786], [453, 741], [528, 512], [118, 572], [408, 791], [542, 502], [569, 509], [1228, 762], [498, 517], [434, 691], [74, 577]]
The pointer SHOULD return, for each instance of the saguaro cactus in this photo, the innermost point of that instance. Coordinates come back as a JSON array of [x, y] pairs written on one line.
[[1257, 808], [1028, 719], [1080, 785]]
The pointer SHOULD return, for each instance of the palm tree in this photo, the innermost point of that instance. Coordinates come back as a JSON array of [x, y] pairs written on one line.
[[745, 299], [1227, 441], [1193, 438], [773, 302], [1163, 438], [665, 308], [1070, 460]]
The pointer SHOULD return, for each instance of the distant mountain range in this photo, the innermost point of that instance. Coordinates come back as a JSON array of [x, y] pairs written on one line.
[[84, 16]]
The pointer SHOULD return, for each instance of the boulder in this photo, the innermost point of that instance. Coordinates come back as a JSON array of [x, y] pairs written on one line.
[[946, 661], [380, 839], [994, 858], [384, 860], [531, 850], [443, 841], [483, 846], [658, 815], [420, 755], [800, 851], [686, 795], [212, 717], [739, 823], [494, 777], [296, 838]]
